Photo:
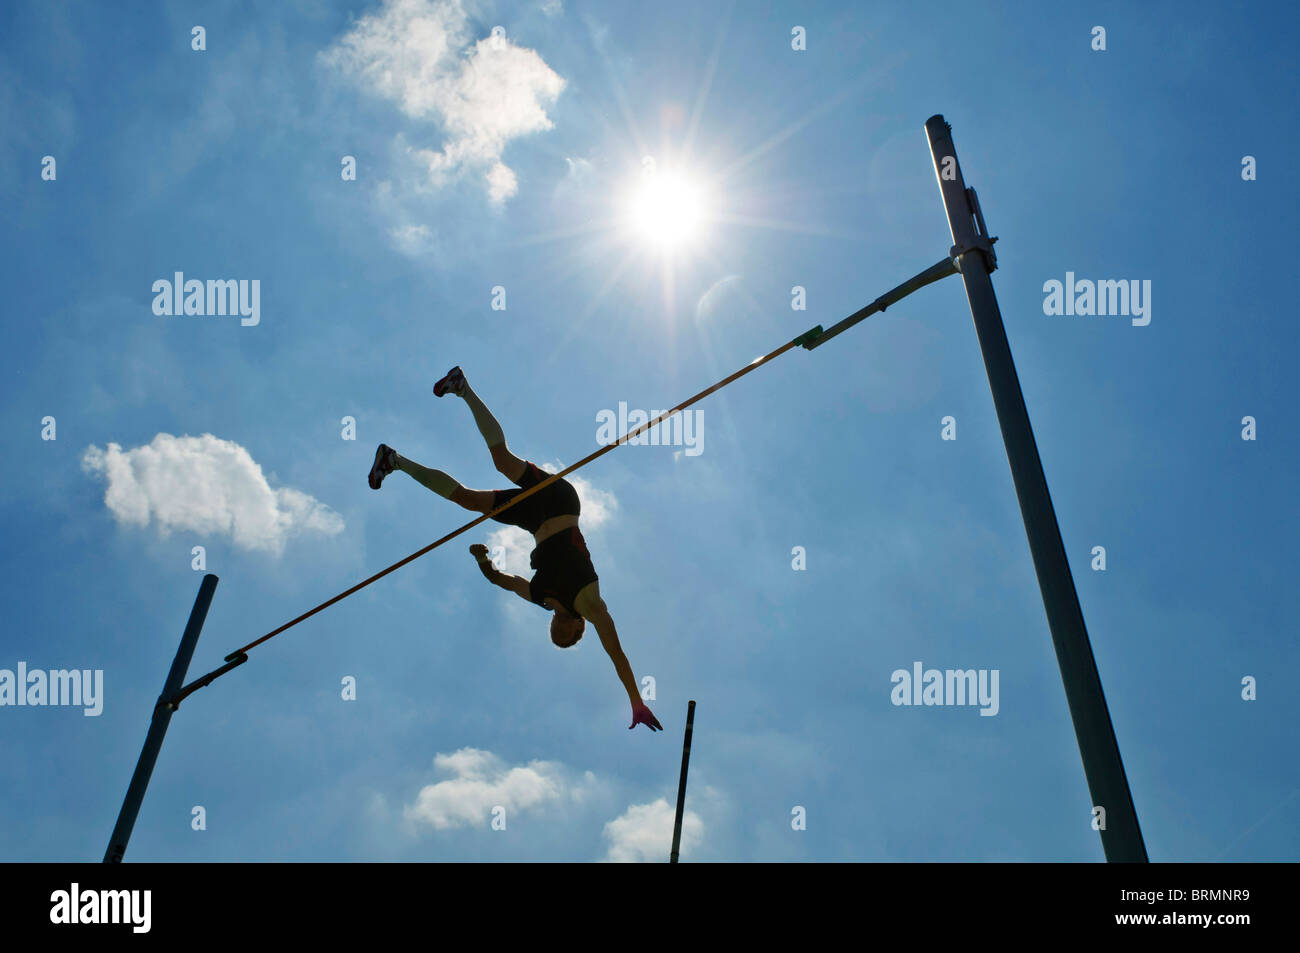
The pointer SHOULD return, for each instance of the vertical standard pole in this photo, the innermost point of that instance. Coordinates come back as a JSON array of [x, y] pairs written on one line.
[[162, 715], [1121, 838], [681, 782]]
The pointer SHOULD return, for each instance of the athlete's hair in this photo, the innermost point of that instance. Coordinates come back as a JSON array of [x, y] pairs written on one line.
[[567, 630]]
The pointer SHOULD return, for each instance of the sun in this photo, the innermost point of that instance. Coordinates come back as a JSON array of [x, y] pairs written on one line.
[[666, 209]]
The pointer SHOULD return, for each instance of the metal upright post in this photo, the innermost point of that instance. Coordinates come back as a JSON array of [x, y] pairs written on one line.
[[162, 715], [1121, 838], [681, 782]]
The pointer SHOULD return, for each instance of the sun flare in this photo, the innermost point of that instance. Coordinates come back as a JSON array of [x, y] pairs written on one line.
[[666, 210]]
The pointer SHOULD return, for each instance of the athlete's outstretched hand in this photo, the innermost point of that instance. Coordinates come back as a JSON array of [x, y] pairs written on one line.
[[478, 551], [642, 715]]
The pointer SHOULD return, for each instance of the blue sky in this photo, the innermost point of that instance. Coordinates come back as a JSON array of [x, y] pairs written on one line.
[[506, 162]]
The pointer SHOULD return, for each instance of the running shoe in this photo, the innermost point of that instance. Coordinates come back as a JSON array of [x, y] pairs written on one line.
[[451, 384], [384, 465]]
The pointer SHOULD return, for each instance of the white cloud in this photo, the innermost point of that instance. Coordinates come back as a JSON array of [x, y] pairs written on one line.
[[205, 485], [553, 8], [516, 545], [480, 781], [598, 506], [414, 53], [644, 833], [501, 182], [411, 239]]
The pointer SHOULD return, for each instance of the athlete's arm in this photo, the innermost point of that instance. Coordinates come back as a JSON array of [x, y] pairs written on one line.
[[594, 610], [516, 584]]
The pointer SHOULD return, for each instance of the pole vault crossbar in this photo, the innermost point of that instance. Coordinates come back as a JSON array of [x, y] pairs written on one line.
[[810, 339]]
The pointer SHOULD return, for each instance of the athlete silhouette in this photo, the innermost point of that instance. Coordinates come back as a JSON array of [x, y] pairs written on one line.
[[564, 581]]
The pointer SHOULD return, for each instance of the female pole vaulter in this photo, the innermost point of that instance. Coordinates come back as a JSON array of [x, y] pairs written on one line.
[[565, 580]]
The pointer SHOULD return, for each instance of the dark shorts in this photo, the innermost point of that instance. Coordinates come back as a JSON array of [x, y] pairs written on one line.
[[563, 567], [558, 499]]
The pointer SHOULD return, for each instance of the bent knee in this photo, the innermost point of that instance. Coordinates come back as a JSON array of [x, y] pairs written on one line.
[[478, 500], [507, 464]]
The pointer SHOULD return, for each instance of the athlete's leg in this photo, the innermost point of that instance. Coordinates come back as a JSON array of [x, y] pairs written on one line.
[[507, 464], [480, 501]]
